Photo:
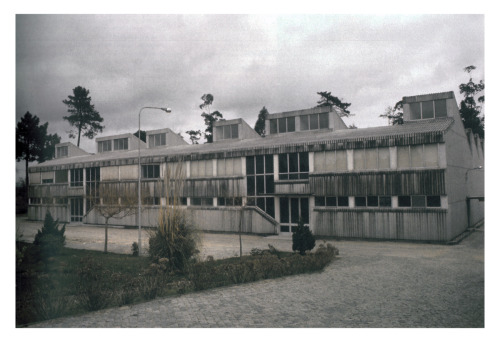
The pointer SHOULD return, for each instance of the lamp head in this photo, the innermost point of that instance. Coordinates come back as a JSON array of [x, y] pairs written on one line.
[[166, 110]]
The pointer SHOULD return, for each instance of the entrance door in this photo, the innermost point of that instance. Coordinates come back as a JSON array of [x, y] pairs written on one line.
[[76, 204], [291, 209]]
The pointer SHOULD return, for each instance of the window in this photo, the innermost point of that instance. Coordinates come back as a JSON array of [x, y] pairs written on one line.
[[61, 176], [428, 110], [76, 209], [360, 201], [434, 201], [227, 132], [150, 171], [121, 144], [404, 201], [293, 165], [343, 201], [62, 151], [327, 201], [417, 156], [92, 179], [291, 210], [47, 200], [282, 125], [76, 177], [159, 139], [372, 201], [385, 201], [314, 121], [104, 146], [35, 200], [47, 181], [418, 201], [229, 201], [202, 201], [260, 182]]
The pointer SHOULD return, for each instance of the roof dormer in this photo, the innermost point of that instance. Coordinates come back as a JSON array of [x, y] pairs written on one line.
[[163, 137], [236, 129], [67, 149], [120, 142], [429, 106]]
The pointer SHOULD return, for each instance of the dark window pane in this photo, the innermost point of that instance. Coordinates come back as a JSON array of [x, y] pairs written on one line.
[[207, 201], [304, 209], [343, 201], [294, 229], [270, 184], [283, 176], [269, 163], [293, 162], [251, 186], [360, 201], [331, 201], [284, 212], [319, 201], [261, 203], [270, 206], [251, 201], [290, 124], [314, 122], [183, 200], [283, 163], [404, 201], [372, 201], [250, 166], [282, 125], [415, 111], [440, 108], [304, 122], [62, 176], [323, 120], [427, 110], [418, 201], [196, 201], [304, 162], [259, 165], [237, 201], [304, 176], [260, 185], [234, 131], [385, 201], [433, 201], [221, 201], [293, 176], [284, 229], [294, 210], [273, 126]]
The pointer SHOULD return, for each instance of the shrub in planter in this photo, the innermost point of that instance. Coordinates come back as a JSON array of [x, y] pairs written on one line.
[[302, 239], [93, 289], [50, 239]]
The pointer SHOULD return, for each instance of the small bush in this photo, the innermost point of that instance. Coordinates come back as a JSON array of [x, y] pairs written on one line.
[[135, 249], [50, 239], [302, 239], [173, 239]]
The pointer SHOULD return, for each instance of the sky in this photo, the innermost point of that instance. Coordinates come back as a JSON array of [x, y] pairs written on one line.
[[245, 61]]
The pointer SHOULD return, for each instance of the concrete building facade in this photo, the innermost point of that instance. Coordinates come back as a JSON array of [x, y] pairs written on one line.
[[422, 180]]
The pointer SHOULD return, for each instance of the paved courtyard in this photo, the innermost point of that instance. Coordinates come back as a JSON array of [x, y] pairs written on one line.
[[371, 284]]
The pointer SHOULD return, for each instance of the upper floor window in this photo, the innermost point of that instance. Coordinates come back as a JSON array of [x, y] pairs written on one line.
[[201, 168], [282, 125], [417, 156], [121, 144], [151, 171], [428, 110], [61, 151], [159, 139], [330, 161], [104, 146], [313, 121], [227, 132], [61, 176], [229, 167], [76, 177], [293, 165]]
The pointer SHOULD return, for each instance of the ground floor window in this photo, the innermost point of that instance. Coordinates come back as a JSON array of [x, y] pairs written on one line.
[[331, 201], [76, 205], [419, 201], [202, 201], [229, 201], [264, 203], [291, 210]]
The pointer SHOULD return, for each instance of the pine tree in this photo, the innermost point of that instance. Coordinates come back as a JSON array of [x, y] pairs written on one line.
[[470, 111], [260, 125]]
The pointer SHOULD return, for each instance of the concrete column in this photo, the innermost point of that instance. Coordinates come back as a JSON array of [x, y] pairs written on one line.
[[276, 167], [352, 204], [394, 200], [311, 161]]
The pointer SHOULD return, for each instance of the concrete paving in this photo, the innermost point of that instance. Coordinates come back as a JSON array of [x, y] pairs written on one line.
[[371, 284]]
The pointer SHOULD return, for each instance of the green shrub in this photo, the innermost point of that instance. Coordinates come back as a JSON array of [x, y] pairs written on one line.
[[302, 239], [135, 249], [173, 239], [50, 239], [93, 289]]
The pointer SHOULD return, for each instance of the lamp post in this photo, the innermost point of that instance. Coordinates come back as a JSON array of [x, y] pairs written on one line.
[[139, 199]]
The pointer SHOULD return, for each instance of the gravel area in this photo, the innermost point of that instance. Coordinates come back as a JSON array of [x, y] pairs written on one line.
[[371, 284]]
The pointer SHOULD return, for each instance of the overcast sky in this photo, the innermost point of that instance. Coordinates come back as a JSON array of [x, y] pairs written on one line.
[[245, 61]]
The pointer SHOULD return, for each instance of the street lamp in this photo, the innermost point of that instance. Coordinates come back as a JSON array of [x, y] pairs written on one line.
[[139, 199]]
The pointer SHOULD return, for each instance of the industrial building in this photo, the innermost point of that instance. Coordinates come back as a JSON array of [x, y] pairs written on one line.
[[422, 180]]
